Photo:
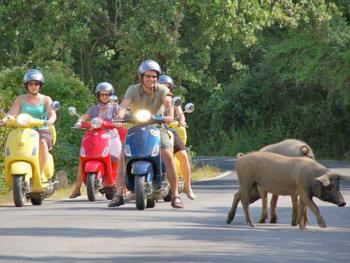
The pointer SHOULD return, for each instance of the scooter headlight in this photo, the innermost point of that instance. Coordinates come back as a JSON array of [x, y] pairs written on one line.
[[155, 150], [143, 115], [96, 123], [127, 150], [23, 119]]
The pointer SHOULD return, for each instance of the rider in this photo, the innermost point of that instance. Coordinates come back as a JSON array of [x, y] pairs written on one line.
[[106, 110], [179, 147], [37, 105], [156, 98]]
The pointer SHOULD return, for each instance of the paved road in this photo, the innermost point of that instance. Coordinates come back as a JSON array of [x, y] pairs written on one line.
[[77, 231]]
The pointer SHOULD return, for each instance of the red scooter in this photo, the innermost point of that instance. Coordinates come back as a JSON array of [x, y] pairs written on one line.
[[98, 172]]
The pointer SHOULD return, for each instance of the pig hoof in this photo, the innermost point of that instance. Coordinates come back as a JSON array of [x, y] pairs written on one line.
[[228, 220], [273, 220], [262, 221]]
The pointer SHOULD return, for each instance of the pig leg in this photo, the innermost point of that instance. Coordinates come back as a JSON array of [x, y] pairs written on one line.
[[232, 212], [300, 220], [245, 200], [263, 216], [273, 207], [316, 212], [294, 209]]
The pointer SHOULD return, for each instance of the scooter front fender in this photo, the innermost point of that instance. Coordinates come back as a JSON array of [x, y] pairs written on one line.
[[141, 168], [19, 168], [94, 166]]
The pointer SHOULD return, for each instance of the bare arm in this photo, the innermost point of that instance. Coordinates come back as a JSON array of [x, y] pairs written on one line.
[[15, 108], [123, 107], [169, 115], [51, 114], [180, 115]]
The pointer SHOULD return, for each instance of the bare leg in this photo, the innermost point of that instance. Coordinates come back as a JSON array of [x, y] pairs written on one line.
[[186, 172], [167, 157], [43, 156], [78, 183]]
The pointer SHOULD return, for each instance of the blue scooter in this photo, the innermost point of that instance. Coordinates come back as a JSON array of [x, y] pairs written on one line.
[[143, 166]]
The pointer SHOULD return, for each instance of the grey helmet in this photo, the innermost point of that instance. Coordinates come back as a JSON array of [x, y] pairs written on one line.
[[104, 86], [166, 79], [148, 65], [33, 74]]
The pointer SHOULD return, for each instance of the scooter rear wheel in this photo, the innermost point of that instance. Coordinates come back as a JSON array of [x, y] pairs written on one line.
[[90, 186], [19, 192]]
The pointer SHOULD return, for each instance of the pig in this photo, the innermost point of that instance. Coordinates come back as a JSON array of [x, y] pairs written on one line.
[[284, 175], [288, 147]]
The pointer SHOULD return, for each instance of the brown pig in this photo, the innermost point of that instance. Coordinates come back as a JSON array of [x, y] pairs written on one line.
[[283, 175], [288, 147]]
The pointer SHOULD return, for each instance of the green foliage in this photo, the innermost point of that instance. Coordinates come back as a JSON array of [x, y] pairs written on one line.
[[257, 71]]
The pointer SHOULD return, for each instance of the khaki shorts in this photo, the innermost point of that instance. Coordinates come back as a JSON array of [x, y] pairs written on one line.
[[167, 139]]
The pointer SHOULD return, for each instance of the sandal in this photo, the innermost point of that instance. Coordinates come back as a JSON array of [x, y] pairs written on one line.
[[176, 202], [74, 195]]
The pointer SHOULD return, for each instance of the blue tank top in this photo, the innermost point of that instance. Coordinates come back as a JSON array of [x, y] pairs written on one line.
[[36, 111]]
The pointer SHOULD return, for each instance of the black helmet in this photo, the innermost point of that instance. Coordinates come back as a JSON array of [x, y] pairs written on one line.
[[104, 86], [33, 74], [148, 65]]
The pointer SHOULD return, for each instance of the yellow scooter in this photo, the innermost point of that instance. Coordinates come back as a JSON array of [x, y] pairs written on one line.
[[181, 131], [22, 160]]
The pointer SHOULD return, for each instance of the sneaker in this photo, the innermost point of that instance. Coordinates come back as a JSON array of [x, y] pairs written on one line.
[[117, 200], [190, 194]]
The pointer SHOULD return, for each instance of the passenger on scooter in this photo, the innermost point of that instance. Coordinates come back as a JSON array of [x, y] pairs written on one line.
[[179, 147], [37, 105], [150, 95], [106, 110]]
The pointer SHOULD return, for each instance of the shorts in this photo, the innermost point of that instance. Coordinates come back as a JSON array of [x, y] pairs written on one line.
[[178, 143], [47, 137], [167, 139]]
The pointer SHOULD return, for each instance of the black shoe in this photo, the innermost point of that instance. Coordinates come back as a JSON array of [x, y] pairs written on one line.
[[117, 200]]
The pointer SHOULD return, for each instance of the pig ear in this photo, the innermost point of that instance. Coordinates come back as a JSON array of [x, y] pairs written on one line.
[[324, 179]]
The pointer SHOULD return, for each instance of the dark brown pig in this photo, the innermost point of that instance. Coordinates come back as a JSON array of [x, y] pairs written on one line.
[[284, 175]]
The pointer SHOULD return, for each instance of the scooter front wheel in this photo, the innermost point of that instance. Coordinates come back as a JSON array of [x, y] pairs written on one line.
[[90, 186], [19, 192], [140, 196]]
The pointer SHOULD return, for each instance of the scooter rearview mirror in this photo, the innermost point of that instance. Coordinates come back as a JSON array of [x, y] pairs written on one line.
[[55, 105], [176, 101], [189, 107], [113, 98], [72, 111]]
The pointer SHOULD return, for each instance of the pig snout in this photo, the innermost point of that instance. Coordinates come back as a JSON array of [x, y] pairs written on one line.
[[341, 203]]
